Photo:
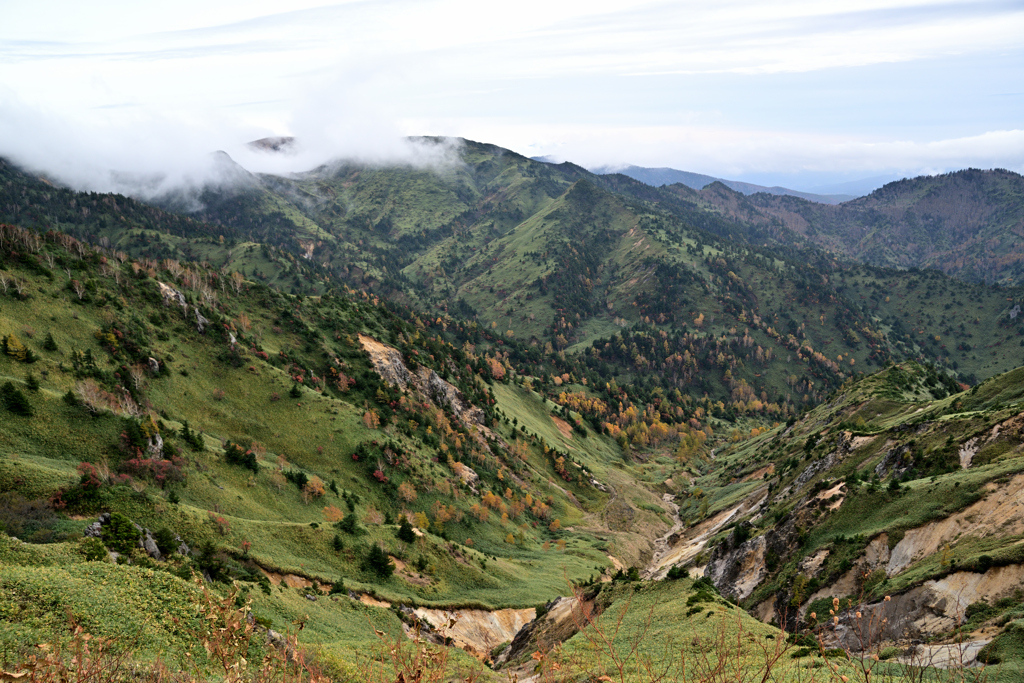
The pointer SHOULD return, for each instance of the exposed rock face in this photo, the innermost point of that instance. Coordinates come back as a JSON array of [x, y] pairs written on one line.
[[934, 607], [447, 396], [560, 622], [736, 572], [691, 541], [388, 363], [967, 452], [895, 462], [478, 631], [150, 546], [1000, 512], [173, 296]]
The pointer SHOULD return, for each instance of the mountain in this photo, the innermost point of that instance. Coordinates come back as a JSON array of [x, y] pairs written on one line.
[[888, 489], [968, 224], [573, 388], [698, 181], [857, 188]]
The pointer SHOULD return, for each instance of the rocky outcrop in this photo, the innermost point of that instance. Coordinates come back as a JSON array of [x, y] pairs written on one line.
[[477, 631], [936, 606], [561, 621], [687, 544], [388, 363], [737, 571], [1001, 513], [146, 542], [896, 461]]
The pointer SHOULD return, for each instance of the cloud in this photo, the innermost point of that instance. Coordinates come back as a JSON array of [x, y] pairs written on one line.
[[731, 152], [97, 93]]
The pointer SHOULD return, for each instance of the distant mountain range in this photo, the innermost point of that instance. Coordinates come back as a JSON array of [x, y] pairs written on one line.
[[698, 181]]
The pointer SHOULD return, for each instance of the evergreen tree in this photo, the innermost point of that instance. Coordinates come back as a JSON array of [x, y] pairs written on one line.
[[405, 532], [14, 400], [49, 344], [378, 562]]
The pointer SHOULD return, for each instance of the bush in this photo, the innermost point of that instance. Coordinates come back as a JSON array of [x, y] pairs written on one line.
[[13, 347], [120, 534], [14, 400], [237, 455], [210, 563], [338, 586], [191, 439], [29, 520], [165, 540], [677, 572], [92, 549]]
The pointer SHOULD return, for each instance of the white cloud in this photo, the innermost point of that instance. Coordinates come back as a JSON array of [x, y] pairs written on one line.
[[728, 152], [90, 87]]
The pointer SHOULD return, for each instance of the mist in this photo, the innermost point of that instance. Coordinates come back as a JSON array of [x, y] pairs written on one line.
[[139, 153]]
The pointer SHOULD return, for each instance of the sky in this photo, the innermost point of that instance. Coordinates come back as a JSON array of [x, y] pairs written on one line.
[[792, 92]]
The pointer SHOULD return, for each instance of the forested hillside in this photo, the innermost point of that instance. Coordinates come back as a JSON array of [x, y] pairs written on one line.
[[366, 395]]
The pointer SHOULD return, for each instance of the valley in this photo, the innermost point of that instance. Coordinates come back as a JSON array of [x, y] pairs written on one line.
[[523, 412]]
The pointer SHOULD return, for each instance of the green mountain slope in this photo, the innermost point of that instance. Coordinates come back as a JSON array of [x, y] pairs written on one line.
[[968, 224], [889, 488]]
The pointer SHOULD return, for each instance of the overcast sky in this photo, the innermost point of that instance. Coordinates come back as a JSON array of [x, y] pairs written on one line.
[[765, 90]]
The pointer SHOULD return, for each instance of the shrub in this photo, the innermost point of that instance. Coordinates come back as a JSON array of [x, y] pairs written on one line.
[[238, 455], [209, 561], [350, 525], [14, 400], [29, 520], [157, 470], [165, 540], [92, 549], [120, 534], [191, 439]]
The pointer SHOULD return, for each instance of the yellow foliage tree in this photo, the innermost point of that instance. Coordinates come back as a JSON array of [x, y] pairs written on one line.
[[421, 521], [407, 491], [333, 514]]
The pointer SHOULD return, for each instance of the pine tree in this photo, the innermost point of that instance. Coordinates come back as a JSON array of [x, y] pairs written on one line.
[[405, 532], [378, 562], [14, 400], [49, 344]]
